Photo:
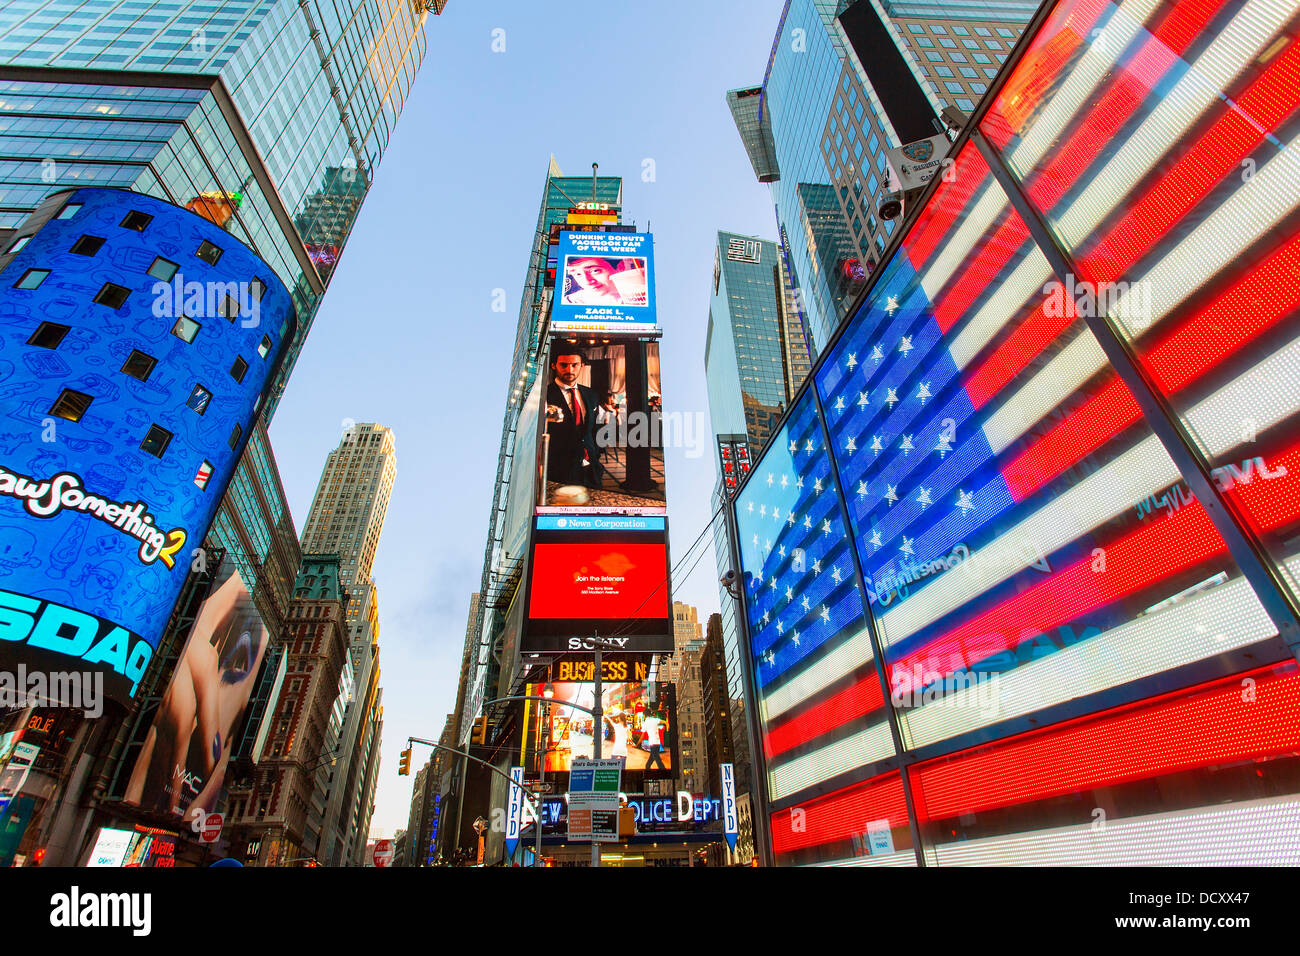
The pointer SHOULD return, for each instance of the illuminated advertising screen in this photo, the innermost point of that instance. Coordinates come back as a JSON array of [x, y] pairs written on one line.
[[604, 283], [126, 418], [182, 765], [603, 446], [141, 847], [639, 722], [603, 576], [1062, 608]]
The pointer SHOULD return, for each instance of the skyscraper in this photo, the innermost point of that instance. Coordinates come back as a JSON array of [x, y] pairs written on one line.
[[846, 81], [347, 518], [684, 671]]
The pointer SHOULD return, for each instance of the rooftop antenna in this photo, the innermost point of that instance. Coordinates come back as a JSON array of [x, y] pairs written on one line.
[[594, 167]]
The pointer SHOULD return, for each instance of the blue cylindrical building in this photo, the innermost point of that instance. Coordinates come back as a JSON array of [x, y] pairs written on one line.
[[137, 340]]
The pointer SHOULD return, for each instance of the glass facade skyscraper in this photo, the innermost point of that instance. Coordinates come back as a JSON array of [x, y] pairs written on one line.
[[846, 81]]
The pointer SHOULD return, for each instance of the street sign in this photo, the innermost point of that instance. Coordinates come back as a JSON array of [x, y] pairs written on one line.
[[383, 854], [514, 810], [593, 799], [211, 828], [730, 818]]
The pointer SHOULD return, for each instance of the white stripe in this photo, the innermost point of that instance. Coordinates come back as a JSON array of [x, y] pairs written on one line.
[[1254, 833], [1060, 377], [1233, 50], [1213, 622], [845, 659], [955, 250], [901, 858], [1025, 282], [1218, 422], [866, 746], [1079, 92]]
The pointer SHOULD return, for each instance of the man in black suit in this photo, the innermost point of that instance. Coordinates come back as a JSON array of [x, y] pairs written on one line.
[[571, 421]]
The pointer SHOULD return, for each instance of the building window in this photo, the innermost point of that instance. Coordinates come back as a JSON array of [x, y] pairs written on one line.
[[87, 245], [264, 347], [948, 43], [980, 58], [156, 441], [163, 269], [961, 31], [185, 329], [1004, 32], [957, 56], [209, 252], [993, 44], [48, 335], [971, 44], [943, 71], [916, 28], [18, 244], [229, 308], [257, 288], [979, 88], [934, 57], [138, 365], [990, 72], [136, 220], [71, 405], [239, 369], [925, 42], [983, 32], [112, 295], [204, 475], [32, 279], [938, 30], [955, 87], [234, 438], [965, 104], [68, 211], [970, 74], [199, 399]]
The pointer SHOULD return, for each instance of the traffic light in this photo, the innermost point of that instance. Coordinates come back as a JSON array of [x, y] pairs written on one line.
[[404, 764], [479, 734]]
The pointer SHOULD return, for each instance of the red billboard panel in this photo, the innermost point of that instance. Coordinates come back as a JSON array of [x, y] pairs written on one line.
[[603, 580]]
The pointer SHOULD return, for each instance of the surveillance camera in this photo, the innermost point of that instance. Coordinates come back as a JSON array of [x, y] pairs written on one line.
[[953, 118], [728, 579], [891, 206]]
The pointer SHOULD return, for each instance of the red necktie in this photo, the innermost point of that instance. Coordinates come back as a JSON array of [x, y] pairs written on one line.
[[577, 407]]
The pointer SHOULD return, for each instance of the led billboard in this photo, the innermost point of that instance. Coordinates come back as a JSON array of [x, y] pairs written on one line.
[[639, 723], [133, 369], [604, 283], [603, 446], [181, 766], [610, 582], [1060, 615]]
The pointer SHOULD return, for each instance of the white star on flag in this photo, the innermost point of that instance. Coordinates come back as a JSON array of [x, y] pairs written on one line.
[[875, 539], [764, 617], [804, 602], [907, 545], [839, 403], [891, 397], [923, 499], [789, 594], [876, 446], [876, 353], [862, 489], [756, 541], [769, 657], [817, 568], [776, 513], [850, 446], [807, 521], [905, 345], [773, 583], [809, 446], [794, 446], [762, 511], [794, 637], [891, 494], [853, 360], [923, 392], [769, 479], [863, 401], [789, 519], [798, 482], [785, 481], [836, 574], [817, 485], [782, 550], [826, 615], [891, 304], [906, 445], [780, 628], [826, 526], [944, 446], [964, 501], [767, 544]]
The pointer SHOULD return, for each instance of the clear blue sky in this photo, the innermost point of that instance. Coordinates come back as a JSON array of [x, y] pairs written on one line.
[[407, 336]]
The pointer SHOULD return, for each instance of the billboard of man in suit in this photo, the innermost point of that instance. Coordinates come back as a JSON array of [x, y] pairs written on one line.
[[571, 419]]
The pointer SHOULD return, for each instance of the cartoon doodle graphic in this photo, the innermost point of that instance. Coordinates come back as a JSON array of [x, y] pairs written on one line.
[[10, 441], [17, 546], [67, 550], [106, 479], [47, 364]]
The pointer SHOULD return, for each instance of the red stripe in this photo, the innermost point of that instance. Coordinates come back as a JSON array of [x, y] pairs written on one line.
[[948, 206], [1018, 350], [1271, 504], [1139, 559], [842, 815], [1205, 164], [982, 267], [1259, 300], [852, 703], [1217, 723]]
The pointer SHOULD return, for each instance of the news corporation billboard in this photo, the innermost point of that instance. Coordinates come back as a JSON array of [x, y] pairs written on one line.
[[605, 283]]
